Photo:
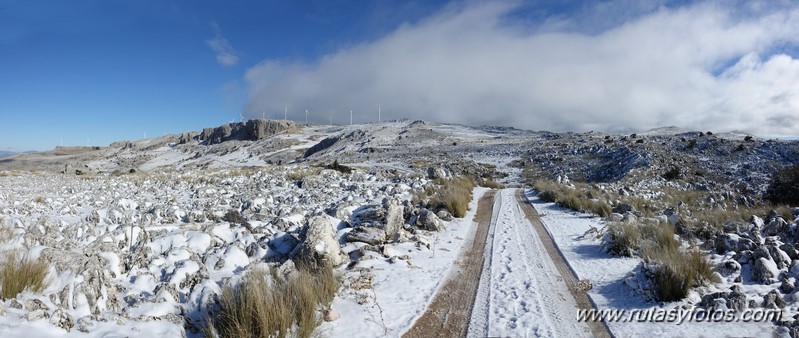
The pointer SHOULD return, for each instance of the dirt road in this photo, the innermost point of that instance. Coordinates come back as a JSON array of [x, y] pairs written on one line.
[[511, 280]]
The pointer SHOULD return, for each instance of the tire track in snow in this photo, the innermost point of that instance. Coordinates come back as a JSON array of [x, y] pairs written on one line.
[[522, 287]]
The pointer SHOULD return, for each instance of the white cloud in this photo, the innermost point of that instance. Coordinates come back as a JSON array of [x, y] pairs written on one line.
[[704, 66], [225, 54]]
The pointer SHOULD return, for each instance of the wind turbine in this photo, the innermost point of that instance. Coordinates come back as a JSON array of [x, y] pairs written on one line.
[[241, 117], [285, 113], [379, 118], [331, 117], [263, 114], [350, 117], [306, 117]]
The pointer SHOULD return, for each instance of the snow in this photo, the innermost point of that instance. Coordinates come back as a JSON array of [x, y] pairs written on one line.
[[607, 273]]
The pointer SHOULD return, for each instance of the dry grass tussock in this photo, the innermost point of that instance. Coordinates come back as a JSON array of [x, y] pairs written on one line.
[[581, 198], [631, 239], [267, 305], [19, 273], [678, 271], [453, 194], [675, 271]]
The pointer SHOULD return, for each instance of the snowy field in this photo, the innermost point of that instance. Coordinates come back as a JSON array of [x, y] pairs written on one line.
[[608, 274]]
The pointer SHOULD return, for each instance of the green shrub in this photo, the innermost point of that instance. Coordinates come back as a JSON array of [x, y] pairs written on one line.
[[673, 174], [784, 187], [20, 273], [340, 167]]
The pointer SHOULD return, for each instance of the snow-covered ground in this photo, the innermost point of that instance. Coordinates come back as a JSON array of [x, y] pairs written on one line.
[[607, 273], [400, 291], [521, 290]]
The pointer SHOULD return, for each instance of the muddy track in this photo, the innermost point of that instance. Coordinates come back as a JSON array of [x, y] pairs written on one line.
[[598, 329], [450, 311]]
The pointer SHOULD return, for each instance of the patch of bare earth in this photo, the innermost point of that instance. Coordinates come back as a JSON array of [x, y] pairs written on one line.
[[449, 313]]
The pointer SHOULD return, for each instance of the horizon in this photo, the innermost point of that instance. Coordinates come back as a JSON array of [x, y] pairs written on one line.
[[119, 71], [682, 130]]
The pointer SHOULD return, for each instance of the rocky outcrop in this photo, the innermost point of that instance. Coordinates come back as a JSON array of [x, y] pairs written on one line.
[[251, 130]]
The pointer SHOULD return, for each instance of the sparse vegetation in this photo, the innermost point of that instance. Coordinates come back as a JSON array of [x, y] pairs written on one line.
[[39, 199], [20, 273], [585, 200], [300, 173], [265, 304]]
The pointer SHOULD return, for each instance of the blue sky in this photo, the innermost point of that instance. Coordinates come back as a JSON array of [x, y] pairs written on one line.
[[115, 70]]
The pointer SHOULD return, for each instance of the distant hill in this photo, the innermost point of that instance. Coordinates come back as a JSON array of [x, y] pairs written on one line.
[[6, 153]]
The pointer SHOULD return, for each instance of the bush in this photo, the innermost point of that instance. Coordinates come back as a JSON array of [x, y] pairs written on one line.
[[454, 195], [676, 272], [20, 273], [267, 305], [784, 187], [673, 174], [340, 167]]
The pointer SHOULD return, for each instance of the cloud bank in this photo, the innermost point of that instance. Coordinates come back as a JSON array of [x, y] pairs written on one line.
[[704, 66], [225, 54]]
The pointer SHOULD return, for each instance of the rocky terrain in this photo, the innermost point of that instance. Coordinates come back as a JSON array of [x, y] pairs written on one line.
[[148, 232]]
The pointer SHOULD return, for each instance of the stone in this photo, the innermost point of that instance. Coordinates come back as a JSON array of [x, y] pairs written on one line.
[[394, 219], [445, 215], [584, 285], [436, 173], [773, 300], [372, 236], [428, 220], [331, 315], [764, 271], [787, 286], [36, 315], [623, 208], [35, 304], [320, 246], [62, 319]]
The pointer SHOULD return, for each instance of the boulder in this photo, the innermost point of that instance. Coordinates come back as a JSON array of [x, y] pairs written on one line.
[[734, 300], [623, 208], [320, 246], [428, 220], [764, 271], [394, 219], [62, 319], [436, 173], [773, 300], [368, 235], [444, 215]]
